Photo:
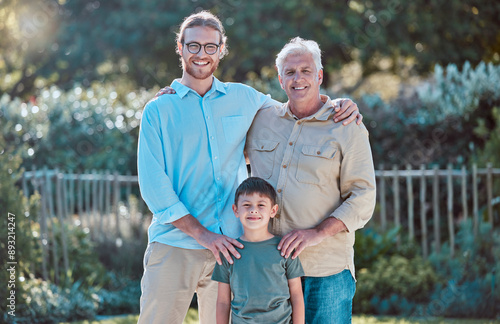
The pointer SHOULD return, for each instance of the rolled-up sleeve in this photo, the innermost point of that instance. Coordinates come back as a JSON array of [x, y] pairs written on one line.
[[156, 187], [357, 182]]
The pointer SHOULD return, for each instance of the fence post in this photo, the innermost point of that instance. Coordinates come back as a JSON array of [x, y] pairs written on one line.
[[95, 201], [51, 232], [435, 194], [79, 198], [107, 201], [88, 213], [71, 194], [63, 194], [55, 249], [451, 230], [60, 206], [43, 224], [423, 221], [128, 192], [464, 193], [395, 188], [101, 204], [116, 204], [25, 185], [48, 187], [409, 190], [26, 207], [475, 198], [383, 211], [489, 191]]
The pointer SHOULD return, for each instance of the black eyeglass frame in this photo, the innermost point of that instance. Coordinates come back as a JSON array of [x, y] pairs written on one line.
[[204, 47]]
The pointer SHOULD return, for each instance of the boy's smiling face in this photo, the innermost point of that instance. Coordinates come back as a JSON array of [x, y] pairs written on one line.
[[255, 211]]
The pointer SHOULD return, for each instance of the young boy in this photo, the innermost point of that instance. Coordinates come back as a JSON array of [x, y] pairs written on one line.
[[266, 287]]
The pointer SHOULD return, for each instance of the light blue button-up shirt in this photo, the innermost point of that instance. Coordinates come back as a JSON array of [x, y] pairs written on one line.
[[190, 157]]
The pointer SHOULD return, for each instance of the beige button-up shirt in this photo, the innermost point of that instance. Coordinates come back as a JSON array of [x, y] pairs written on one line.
[[320, 169]]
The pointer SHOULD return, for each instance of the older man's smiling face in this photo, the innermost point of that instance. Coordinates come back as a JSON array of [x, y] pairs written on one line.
[[300, 79]]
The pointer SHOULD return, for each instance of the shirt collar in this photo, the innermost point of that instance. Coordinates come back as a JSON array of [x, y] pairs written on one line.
[[322, 114], [183, 90]]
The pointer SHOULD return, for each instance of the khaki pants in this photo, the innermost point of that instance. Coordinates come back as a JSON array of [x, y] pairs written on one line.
[[171, 276]]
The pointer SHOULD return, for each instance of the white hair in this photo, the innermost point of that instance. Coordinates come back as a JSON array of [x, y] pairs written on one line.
[[299, 46]]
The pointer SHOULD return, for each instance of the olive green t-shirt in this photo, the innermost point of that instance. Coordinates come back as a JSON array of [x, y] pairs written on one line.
[[259, 283]]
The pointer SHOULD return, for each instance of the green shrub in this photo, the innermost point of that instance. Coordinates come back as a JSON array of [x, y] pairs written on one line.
[[370, 245], [16, 240], [417, 127], [123, 300], [124, 259], [124, 256], [394, 285], [84, 264], [45, 302], [458, 93], [465, 285], [472, 275], [87, 290]]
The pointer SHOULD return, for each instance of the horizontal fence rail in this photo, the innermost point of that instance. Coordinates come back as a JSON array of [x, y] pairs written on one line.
[[426, 204]]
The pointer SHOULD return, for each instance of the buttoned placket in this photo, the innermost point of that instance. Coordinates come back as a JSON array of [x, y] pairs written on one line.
[[214, 150], [284, 168]]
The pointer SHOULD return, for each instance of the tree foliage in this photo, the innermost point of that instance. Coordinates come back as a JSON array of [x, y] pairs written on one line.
[[79, 130], [61, 42]]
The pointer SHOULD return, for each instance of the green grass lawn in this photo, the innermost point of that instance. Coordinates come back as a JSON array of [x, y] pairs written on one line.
[[364, 319], [192, 318]]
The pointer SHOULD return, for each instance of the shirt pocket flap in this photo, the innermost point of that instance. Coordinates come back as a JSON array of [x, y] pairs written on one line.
[[265, 145], [327, 152]]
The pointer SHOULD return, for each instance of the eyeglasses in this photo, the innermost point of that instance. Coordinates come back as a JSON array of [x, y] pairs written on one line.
[[194, 48]]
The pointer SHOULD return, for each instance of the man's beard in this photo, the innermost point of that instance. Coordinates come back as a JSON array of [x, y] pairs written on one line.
[[196, 73]]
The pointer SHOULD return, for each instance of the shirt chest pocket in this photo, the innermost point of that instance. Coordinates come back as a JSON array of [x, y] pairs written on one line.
[[262, 158], [235, 128], [315, 164]]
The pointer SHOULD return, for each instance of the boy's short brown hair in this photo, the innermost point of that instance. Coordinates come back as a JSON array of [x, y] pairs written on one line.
[[255, 185]]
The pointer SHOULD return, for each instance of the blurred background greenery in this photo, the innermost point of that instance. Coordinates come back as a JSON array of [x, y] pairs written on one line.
[[75, 76], [86, 68]]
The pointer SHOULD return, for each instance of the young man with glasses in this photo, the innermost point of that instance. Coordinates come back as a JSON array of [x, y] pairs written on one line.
[[190, 162]]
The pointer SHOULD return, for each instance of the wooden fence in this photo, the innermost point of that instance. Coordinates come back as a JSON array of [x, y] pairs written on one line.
[[103, 203], [471, 185], [106, 205]]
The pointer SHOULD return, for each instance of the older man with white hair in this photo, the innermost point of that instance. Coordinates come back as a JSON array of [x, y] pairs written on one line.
[[325, 179]]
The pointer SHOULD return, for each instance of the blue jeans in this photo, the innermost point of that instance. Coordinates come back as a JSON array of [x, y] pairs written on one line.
[[329, 299]]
